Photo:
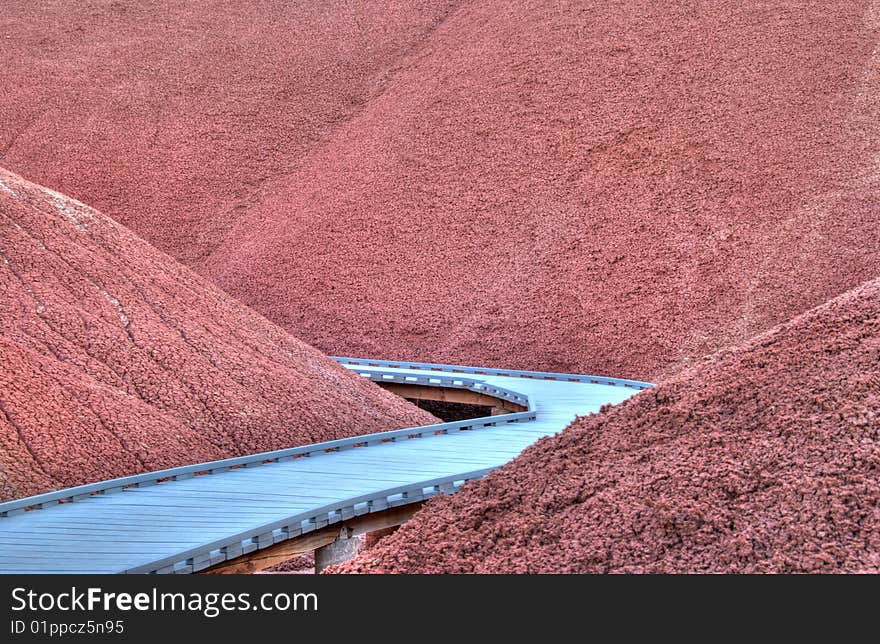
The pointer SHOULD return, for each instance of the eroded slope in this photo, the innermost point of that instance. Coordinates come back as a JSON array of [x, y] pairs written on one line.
[[763, 458], [117, 359]]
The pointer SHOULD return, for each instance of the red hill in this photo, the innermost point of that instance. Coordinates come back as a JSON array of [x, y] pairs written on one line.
[[169, 116], [762, 458], [609, 187], [116, 359]]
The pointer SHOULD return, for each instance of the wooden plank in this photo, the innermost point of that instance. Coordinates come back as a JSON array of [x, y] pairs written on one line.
[[170, 521]]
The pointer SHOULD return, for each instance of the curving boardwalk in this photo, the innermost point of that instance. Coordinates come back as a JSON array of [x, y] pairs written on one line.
[[189, 518]]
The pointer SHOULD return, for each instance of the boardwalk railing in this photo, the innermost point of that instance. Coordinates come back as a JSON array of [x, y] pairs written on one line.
[[443, 381], [271, 533], [512, 373], [80, 492]]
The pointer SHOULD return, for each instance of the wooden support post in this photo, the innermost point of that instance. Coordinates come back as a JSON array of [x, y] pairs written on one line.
[[343, 548]]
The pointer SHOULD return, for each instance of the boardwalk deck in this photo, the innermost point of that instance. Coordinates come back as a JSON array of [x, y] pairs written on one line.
[[189, 524]]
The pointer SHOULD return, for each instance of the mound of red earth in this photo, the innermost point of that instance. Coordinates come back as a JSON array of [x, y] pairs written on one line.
[[611, 187], [169, 115], [115, 359], [607, 187], [764, 458]]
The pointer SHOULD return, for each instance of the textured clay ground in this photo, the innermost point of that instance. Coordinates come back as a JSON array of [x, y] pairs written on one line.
[[116, 359], [764, 458], [611, 187], [607, 187], [168, 115]]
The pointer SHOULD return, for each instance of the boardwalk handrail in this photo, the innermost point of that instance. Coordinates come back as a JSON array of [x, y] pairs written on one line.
[[290, 527], [79, 492], [513, 373], [442, 381]]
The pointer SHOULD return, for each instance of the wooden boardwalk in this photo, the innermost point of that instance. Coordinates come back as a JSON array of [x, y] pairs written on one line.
[[186, 519]]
